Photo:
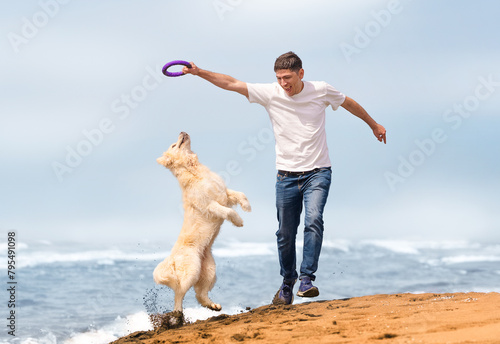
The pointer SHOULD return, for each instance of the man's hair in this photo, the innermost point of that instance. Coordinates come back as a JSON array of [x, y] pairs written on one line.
[[288, 60]]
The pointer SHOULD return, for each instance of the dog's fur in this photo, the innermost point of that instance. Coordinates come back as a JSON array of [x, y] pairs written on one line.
[[207, 203]]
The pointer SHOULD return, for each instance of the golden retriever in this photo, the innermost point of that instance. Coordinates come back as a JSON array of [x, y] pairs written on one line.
[[207, 203]]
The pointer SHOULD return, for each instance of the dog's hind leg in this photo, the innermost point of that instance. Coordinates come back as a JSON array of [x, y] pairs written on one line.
[[186, 270], [206, 281], [180, 290], [179, 297], [236, 197]]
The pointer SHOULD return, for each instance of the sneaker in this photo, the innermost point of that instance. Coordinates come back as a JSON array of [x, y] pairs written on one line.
[[306, 288], [284, 296]]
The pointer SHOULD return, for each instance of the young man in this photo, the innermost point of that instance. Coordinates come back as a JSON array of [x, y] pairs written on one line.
[[296, 109]]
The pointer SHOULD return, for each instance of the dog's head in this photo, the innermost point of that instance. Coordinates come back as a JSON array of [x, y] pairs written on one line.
[[179, 155]]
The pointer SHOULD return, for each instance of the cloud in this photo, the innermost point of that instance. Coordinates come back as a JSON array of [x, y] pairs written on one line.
[[80, 68]]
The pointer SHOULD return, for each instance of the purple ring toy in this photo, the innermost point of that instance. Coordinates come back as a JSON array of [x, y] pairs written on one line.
[[174, 63]]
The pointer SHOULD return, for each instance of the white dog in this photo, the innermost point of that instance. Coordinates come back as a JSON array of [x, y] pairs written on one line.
[[207, 203]]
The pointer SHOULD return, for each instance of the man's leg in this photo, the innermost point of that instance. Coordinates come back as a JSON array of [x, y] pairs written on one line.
[[315, 189], [289, 208]]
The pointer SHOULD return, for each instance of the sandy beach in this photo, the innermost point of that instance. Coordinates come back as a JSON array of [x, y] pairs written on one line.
[[400, 318]]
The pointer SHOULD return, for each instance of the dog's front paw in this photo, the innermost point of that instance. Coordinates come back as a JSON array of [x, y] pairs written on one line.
[[235, 219], [245, 205]]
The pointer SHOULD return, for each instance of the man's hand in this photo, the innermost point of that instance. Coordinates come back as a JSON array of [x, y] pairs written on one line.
[[193, 70], [379, 132]]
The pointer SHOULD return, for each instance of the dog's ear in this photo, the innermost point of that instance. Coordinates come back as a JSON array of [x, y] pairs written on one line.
[[165, 160]]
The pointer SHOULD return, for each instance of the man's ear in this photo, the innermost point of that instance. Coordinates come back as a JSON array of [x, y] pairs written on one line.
[[301, 73]]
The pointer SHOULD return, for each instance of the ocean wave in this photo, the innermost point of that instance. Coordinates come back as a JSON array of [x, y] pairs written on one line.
[[396, 246], [48, 254], [415, 247], [469, 259], [110, 332], [342, 245], [44, 256], [101, 257], [243, 249], [19, 245]]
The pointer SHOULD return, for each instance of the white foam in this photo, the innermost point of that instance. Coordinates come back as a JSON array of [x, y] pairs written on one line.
[[194, 314], [104, 257], [469, 259], [414, 247], [19, 246], [244, 249], [342, 245], [48, 338], [118, 328], [397, 246]]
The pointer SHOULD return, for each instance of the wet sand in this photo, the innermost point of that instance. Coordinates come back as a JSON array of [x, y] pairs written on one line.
[[400, 318]]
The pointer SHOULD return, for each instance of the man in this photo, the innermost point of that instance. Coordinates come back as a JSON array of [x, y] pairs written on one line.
[[296, 109]]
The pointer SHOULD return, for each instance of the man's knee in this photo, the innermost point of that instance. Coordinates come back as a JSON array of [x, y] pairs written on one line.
[[314, 219], [286, 236]]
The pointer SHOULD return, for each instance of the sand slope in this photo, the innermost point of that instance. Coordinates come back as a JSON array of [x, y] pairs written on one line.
[[401, 318]]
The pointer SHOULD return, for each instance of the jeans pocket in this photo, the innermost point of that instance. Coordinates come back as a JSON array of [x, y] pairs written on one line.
[[279, 177]]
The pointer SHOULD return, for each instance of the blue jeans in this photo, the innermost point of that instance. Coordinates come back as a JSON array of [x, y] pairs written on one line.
[[292, 192]]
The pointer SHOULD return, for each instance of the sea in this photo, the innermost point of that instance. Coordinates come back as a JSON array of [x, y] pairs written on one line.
[[81, 294]]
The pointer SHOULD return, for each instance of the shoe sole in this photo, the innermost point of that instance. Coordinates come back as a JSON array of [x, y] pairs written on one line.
[[277, 301], [313, 292]]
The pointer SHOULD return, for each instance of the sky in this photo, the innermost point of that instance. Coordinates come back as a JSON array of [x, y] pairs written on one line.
[[85, 111]]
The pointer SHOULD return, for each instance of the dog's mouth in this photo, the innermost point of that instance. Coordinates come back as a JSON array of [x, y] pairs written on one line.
[[183, 138]]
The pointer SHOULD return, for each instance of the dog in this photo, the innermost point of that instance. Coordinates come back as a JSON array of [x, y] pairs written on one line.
[[207, 203]]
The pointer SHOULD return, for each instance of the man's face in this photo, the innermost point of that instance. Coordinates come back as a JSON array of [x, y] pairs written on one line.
[[290, 81]]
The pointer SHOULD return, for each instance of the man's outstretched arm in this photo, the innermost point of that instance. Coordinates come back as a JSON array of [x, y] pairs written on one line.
[[357, 110], [223, 81]]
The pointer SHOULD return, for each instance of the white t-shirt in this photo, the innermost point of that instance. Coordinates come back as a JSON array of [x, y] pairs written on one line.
[[298, 122]]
